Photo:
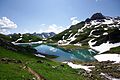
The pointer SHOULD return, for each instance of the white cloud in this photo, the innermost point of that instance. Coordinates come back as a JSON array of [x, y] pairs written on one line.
[[5, 24], [74, 20], [42, 24], [4, 31], [55, 28]]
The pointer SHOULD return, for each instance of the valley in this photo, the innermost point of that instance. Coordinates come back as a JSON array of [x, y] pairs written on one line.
[[89, 50]]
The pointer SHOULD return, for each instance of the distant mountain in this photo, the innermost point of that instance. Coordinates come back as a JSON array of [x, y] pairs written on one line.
[[44, 35], [23, 38], [95, 31], [28, 37]]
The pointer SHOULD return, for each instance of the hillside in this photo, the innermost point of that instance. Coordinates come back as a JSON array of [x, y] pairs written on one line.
[[96, 31], [24, 38], [24, 65], [20, 63]]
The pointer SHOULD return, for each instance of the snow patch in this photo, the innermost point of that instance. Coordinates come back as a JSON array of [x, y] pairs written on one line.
[[103, 47], [70, 35], [106, 57], [81, 30], [97, 26], [105, 33], [70, 31], [95, 22], [10, 36], [105, 28], [30, 43], [21, 35], [77, 44], [18, 39], [30, 40], [39, 55], [48, 34], [108, 21], [66, 34], [93, 35], [63, 37], [43, 36], [78, 66]]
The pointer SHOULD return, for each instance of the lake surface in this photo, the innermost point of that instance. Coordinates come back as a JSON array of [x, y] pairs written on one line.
[[64, 55]]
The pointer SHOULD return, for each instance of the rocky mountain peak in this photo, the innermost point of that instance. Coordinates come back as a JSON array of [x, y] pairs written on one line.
[[97, 16]]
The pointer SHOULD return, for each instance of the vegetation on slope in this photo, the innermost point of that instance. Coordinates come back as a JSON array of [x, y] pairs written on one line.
[[48, 69], [24, 38], [115, 50]]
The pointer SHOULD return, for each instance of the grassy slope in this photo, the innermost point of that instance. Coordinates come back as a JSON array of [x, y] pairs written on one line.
[[14, 71], [115, 50], [5, 37]]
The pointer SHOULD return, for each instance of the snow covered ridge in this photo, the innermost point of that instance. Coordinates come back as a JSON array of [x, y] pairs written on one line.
[[105, 21], [78, 66]]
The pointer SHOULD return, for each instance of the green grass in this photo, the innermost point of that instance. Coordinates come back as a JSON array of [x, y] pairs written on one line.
[[13, 71], [5, 37], [115, 50], [57, 73], [73, 47]]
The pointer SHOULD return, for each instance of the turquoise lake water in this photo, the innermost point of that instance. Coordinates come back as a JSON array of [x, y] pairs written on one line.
[[64, 55]]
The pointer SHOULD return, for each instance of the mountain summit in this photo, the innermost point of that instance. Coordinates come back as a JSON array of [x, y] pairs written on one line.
[[97, 16]]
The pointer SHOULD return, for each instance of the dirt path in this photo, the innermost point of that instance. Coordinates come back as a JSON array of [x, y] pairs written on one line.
[[38, 76]]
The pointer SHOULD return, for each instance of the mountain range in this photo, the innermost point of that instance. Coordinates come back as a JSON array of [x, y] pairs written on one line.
[[29, 37], [44, 34]]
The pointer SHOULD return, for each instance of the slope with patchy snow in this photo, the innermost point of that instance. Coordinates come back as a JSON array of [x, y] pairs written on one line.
[[99, 32]]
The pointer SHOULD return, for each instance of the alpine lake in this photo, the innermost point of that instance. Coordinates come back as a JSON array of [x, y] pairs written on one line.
[[85, 55]]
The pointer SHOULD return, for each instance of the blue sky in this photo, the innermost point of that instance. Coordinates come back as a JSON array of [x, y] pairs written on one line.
[[53, 15]]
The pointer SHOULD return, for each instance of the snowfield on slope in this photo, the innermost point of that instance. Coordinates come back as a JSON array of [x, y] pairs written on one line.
[[39, 55], [103, 47], [106, 57], [78, 66], [30, 43]]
